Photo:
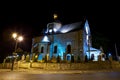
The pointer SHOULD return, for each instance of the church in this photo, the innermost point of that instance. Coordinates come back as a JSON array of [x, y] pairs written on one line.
[[66, 41]]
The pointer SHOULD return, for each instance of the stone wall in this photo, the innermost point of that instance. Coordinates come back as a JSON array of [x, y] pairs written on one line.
[[74, 66], [1, 65], [5, 65], [65, 66], [23, 65]]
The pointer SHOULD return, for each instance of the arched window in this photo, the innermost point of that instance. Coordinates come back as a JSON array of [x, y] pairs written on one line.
[[42, 49], [69, 48], [55, 49]]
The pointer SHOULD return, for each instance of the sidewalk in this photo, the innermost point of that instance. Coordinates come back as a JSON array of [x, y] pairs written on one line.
[[40, 71]]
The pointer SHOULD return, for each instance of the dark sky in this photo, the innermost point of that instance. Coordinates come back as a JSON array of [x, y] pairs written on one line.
[[30, 19]]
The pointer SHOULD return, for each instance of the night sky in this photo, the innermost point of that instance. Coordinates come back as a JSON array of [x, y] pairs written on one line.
[[29, 20]]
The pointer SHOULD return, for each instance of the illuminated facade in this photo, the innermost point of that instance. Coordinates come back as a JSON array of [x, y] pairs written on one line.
[[65, 41]]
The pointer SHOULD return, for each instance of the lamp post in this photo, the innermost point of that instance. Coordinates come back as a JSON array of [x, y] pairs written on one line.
[[17, 39]]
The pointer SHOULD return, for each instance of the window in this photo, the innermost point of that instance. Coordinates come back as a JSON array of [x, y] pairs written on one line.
[[42, 49], [35, 49], [69, 48], [55, 49]]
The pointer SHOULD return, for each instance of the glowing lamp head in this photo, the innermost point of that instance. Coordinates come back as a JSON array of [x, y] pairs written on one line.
[[14, 35], [20, 38]]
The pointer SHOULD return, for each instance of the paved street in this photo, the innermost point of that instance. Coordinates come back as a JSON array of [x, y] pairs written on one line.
[[59, 75]]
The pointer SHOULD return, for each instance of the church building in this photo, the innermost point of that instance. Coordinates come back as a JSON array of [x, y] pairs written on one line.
[[66, 41]]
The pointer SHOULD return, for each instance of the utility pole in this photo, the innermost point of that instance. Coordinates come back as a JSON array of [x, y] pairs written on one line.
[[116, 51]]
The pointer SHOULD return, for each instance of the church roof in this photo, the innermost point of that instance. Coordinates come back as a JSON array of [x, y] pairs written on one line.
[[59, 28], [71, 27]]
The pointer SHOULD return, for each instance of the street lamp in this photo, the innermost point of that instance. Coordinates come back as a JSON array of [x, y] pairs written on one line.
[[17, 39]]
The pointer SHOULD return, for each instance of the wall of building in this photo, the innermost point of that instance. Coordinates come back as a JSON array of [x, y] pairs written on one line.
[[75, 39]]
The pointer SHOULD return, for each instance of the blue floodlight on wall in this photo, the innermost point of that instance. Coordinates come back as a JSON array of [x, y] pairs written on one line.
[[87, 29], [66, 29]]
